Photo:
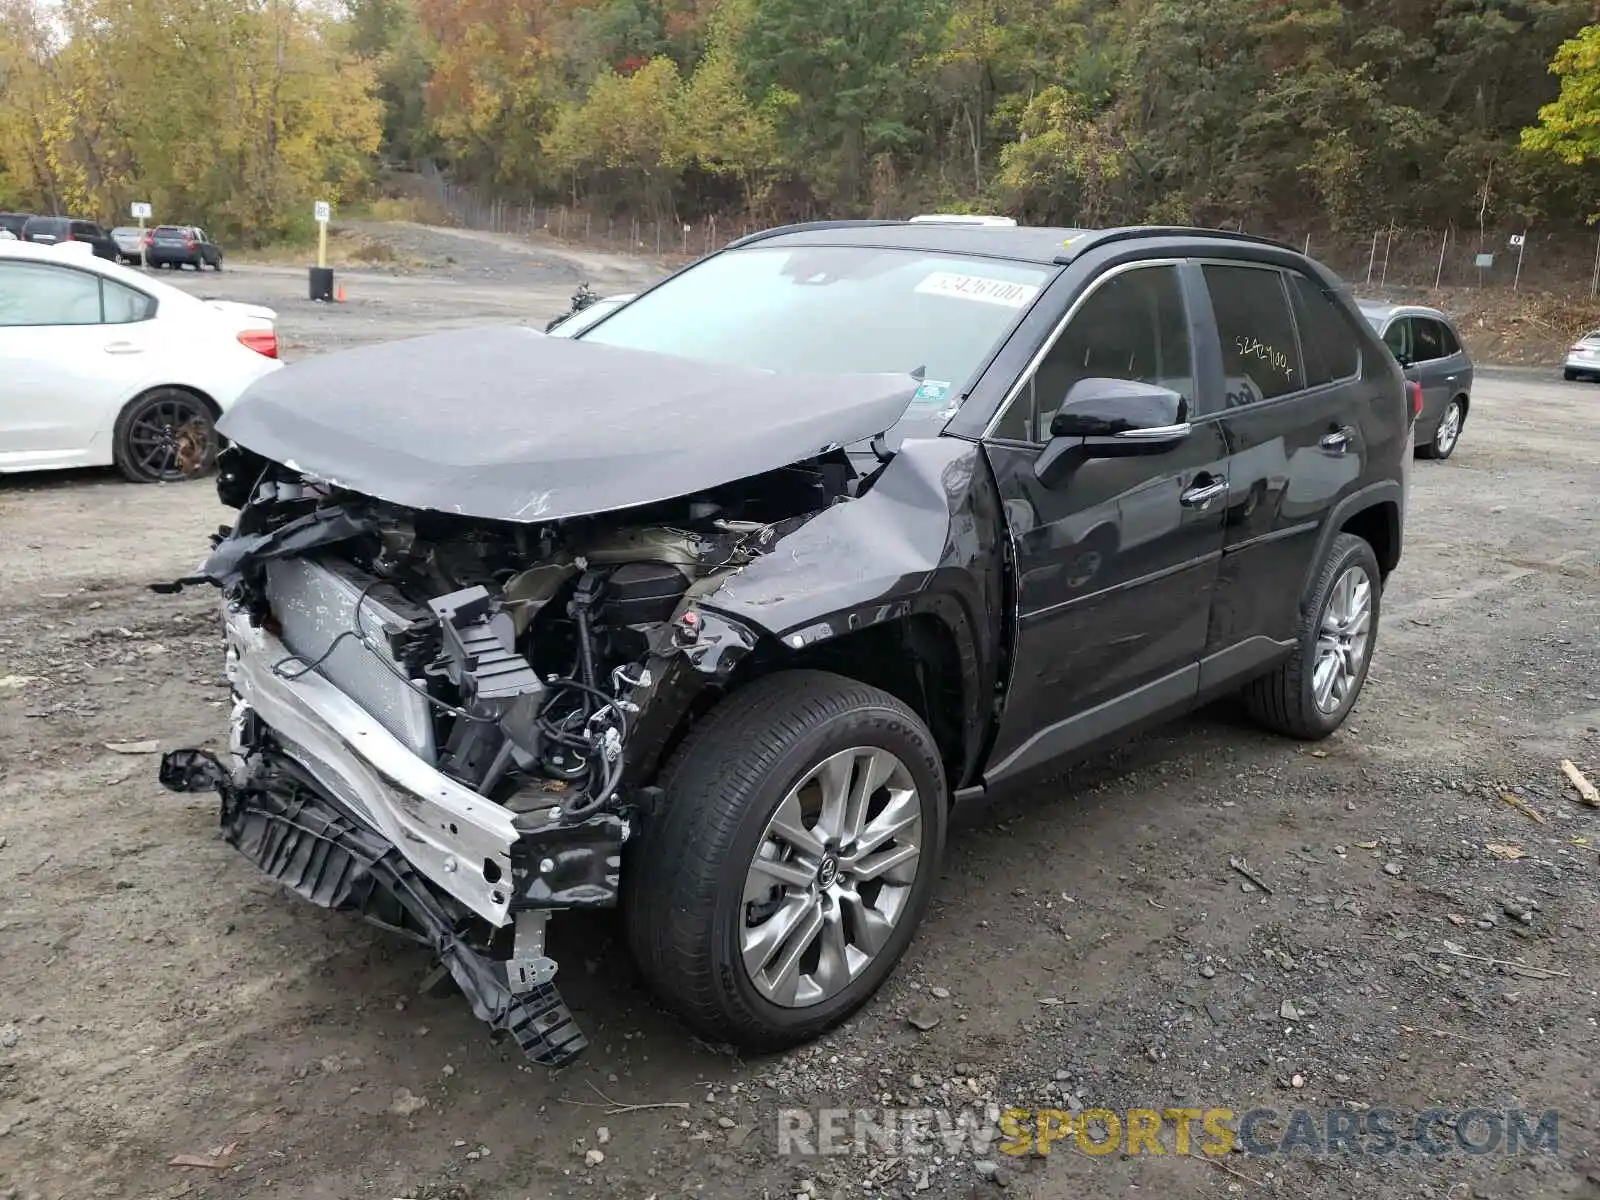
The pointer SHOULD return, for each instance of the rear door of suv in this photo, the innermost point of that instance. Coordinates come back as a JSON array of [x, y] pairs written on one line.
[[1293, 422]]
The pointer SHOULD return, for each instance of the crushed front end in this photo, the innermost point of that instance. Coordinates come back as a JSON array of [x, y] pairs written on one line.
[[448, 725]]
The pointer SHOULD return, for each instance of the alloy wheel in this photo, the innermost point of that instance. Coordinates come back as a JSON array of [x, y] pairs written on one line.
[[1342, 640], [1444, 439], [831, 877], [169, 437]]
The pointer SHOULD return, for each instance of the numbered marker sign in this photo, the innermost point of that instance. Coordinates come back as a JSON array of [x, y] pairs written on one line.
[[1516, 239], [323, 211], [141, 210]]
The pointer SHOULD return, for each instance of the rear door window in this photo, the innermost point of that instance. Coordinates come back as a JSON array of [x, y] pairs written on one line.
[[1327, 344], [1427, 339], [1260, 355], [1448, 340]]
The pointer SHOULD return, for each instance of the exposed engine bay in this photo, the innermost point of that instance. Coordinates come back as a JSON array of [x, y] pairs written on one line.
[[448, 723]]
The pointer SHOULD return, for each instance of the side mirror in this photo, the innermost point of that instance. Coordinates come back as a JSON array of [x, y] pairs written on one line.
[[1112, 418]]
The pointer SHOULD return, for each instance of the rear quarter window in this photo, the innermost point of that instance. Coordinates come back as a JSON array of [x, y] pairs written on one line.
[[1327, 342]]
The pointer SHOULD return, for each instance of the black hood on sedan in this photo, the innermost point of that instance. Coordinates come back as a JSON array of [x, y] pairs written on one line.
[[507, 424]]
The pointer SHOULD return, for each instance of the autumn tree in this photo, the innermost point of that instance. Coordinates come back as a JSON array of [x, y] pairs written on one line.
[[226, 112]]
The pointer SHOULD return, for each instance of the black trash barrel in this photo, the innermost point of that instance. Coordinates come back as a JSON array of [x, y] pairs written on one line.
[[322, 284]]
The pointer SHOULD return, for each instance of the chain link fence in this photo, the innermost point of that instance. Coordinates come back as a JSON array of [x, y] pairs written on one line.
[[1518, 259], [1562, 260]]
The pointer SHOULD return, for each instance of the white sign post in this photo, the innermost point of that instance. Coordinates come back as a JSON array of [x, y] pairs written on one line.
[[1519, 241], [141, 212], [323, 212]]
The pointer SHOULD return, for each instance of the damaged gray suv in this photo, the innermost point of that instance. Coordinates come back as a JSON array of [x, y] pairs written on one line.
[[715, 611]]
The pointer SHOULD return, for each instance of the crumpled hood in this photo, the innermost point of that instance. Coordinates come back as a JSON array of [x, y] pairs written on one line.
[[507, 424]]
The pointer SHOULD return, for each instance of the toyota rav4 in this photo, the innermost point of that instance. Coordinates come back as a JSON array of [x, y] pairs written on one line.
[[717, 610]]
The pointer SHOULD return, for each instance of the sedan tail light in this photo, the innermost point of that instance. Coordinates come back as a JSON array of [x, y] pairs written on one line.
[[262, 341], [1415, 390]]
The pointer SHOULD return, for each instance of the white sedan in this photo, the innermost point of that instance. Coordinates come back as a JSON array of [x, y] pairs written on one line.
[[100, 365]]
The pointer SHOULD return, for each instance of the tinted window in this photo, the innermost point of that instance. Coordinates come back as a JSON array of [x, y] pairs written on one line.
[[835, 309], [1132, 326], [1427, 340], [85, 229], [1327, 344], [35, 294], [124, 304], [1447, 339], [1259, 355]]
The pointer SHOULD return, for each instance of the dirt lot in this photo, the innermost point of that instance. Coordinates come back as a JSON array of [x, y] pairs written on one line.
[[1089, 944]]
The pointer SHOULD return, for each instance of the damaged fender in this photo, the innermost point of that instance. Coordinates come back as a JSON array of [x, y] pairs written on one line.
[[919, 542]]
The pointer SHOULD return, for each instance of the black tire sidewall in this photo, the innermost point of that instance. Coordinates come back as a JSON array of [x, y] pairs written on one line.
[[120, 450], [887, 729], [1347, 551]]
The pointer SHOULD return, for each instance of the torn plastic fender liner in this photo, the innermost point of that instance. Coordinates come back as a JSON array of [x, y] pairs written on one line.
[[282, 825], [236, 554]]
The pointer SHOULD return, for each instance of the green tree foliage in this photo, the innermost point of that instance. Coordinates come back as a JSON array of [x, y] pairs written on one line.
[[1569, 126], [1065, 167], [849, 63], [1277, 112]]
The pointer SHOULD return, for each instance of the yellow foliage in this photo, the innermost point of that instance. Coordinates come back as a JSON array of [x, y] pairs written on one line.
[[223, 112]]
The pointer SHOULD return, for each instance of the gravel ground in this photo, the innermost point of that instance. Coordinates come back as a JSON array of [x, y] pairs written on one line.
[[1089, 946]]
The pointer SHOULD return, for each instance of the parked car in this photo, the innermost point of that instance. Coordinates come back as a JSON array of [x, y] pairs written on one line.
[[57, 231], [6, 235], [716, 610], [130, 243], [11, 224], [1583, 360], [182, 246], [1431, 352], [100, 364]]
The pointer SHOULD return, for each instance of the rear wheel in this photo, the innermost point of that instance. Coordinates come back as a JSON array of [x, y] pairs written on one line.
[[1311, 694], [1569, 375], [1448, 433], [165, 435], [785, 874]]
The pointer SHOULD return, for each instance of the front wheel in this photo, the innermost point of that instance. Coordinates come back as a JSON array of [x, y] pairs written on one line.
[[801, 828], [163, 436], [1311, 694]]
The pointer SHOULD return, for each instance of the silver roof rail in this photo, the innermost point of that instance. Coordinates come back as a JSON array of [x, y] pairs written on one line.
[[961, 219]]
